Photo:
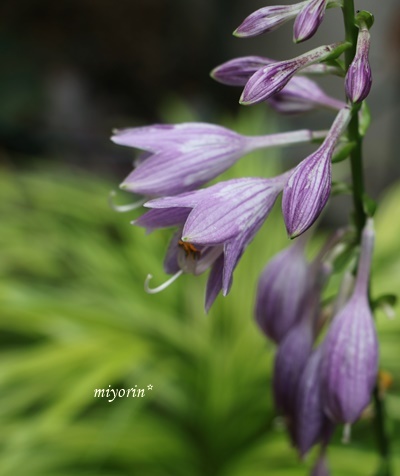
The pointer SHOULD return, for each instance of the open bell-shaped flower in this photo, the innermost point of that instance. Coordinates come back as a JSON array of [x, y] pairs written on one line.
[[358, 79], [267, 19], [350, 361], [217, 223], [308, 20], [281, 291], [273, 77], [185, 156], [308, 188]]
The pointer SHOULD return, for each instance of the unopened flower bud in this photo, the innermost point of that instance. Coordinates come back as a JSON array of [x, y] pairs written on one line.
[[309, 186], [267, 19], [359, 77], [281, 290], [308, 20], [350, 362]]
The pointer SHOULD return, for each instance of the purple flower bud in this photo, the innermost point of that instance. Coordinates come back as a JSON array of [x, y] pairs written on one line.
[[321, 467], [267, 19], [273, 77], [236, 72], [308, 20], [311, 423], [309, 186], [301, 95], [216, 226], [185, 156], [281, 290], [350, 361], [359, 77], [290, 360]]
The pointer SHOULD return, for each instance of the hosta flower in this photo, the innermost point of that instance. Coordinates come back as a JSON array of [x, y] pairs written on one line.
[[185, 156], [350, 364], [281, 290], [311, 423], [273, 77], [308, 188], [237, 72], [309, 19], [359, 77], [321, 466], [291, 358], [267, 19], [216, 225], [299, 95]]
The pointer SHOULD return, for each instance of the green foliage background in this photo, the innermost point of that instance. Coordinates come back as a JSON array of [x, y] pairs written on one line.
[[74, 317]]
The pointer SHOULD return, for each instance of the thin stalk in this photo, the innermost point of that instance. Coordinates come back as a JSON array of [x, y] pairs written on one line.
[[360, 217]]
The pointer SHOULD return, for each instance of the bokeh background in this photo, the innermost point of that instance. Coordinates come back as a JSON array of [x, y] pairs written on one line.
[[74, 316]]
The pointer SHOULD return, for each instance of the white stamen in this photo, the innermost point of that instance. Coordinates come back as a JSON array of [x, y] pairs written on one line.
[[389, 311], [124, 208], [346, 433], [162, 286]]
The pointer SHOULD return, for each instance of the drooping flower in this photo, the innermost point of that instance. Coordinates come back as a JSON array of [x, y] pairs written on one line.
[[237, 72], [308, 188], [358, 79], [273, 77], [308, 20], [299, 95], [321, 466], [350, 361], [311, 423], [185, 156], [217, 224], [281, 291], [267, 19]]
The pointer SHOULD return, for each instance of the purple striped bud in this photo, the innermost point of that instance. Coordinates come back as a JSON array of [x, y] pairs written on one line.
[[290, 360], [311, 423], [267, 19], [274, 77], [358, 79], [281, 290], [350, 361], [301, 95], [321, 467], [185, 156], [308, 20], [237, 71], [309, 186]]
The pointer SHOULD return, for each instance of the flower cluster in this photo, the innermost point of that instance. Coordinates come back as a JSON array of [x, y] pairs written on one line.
[[315, 387]]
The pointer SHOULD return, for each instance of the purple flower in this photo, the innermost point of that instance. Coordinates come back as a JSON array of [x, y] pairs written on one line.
[[237, 72], [309, 186], [291, 358], [311, 423], [273, 77], [350, 361], [185, 156], [359, 77], [299, 95], [321, 467], [281, 290], [267, 19], [217, 224], [308, 20]]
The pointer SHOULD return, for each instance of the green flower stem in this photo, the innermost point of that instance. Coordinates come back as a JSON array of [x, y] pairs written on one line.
[[357, 172]]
